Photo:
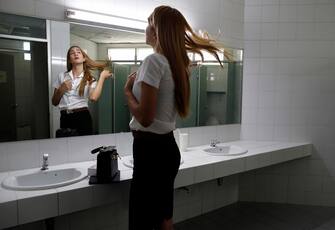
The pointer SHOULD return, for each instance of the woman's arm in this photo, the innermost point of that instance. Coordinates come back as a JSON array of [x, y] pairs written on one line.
[[96, 92], [58, 93], [145, 110]]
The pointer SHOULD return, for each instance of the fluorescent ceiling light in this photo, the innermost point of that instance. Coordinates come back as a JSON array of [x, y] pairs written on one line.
[[118, 21]]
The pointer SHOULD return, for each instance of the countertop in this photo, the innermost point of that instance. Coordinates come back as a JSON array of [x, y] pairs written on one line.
[[21, 207]]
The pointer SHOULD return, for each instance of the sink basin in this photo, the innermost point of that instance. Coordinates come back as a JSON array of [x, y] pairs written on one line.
[[129, 161], [226, 150], [45, 179]]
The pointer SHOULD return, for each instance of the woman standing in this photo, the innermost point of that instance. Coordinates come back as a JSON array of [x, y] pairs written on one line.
[[74, 88], [156, 94]]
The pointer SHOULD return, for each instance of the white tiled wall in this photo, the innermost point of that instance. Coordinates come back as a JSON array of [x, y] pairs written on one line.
[[289, 95], [8, 214], [28, 154], [43, 208]]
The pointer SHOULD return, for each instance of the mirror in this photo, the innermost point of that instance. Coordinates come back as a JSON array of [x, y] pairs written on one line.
[[23, 79], [215, 91]]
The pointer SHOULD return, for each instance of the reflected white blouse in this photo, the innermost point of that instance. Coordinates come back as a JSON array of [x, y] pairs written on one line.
[[71, 98]]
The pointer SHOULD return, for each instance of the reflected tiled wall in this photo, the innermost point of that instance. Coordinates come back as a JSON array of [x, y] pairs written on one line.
[[59, 44]]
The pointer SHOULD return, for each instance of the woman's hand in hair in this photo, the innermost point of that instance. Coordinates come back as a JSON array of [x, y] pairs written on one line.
[[128, 88], [95, 93], [106, 74]]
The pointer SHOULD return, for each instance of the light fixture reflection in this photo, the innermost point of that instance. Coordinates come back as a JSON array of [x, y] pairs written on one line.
[[106, 19], [27, 56], [26, 46]]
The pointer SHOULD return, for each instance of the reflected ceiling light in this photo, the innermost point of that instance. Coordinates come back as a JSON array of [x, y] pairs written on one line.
[[27, 56], [120, 22], [26, 46]]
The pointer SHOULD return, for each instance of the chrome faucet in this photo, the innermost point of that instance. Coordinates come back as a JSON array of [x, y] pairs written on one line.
[[45, 162], [214, 142]]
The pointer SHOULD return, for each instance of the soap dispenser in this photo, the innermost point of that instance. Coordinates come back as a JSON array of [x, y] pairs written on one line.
[[107, 165]]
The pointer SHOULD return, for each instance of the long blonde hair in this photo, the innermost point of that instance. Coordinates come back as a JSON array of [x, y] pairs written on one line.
[[175, 37], [88, 65]]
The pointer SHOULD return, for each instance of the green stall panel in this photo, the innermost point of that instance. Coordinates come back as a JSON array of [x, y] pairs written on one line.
[[234, 92], [105, 108], [203, 107], [191, 119], [121, 111]]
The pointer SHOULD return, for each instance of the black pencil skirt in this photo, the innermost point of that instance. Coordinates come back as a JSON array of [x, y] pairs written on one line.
[[156, 164]]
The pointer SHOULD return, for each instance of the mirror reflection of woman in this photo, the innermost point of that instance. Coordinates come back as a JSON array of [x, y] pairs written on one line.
[[73, 89], [156, 94]]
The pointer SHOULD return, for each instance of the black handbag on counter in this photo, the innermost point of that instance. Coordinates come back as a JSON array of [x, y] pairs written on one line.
[[107, 170]]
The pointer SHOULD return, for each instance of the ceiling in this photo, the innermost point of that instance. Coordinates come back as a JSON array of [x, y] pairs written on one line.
[[105, 35]]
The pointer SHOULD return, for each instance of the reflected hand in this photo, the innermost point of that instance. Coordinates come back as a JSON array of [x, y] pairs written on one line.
[[130, 82], [106, 74], [66, 86]]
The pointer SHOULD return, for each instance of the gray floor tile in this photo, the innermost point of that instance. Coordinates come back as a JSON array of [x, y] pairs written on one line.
[[263, 216], [330, 225]]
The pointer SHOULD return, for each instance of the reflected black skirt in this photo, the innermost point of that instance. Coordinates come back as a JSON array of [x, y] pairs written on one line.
[[156, 164], [80, 122]]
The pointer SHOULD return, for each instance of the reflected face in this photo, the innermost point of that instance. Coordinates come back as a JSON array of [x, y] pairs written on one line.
[[76, 56]]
